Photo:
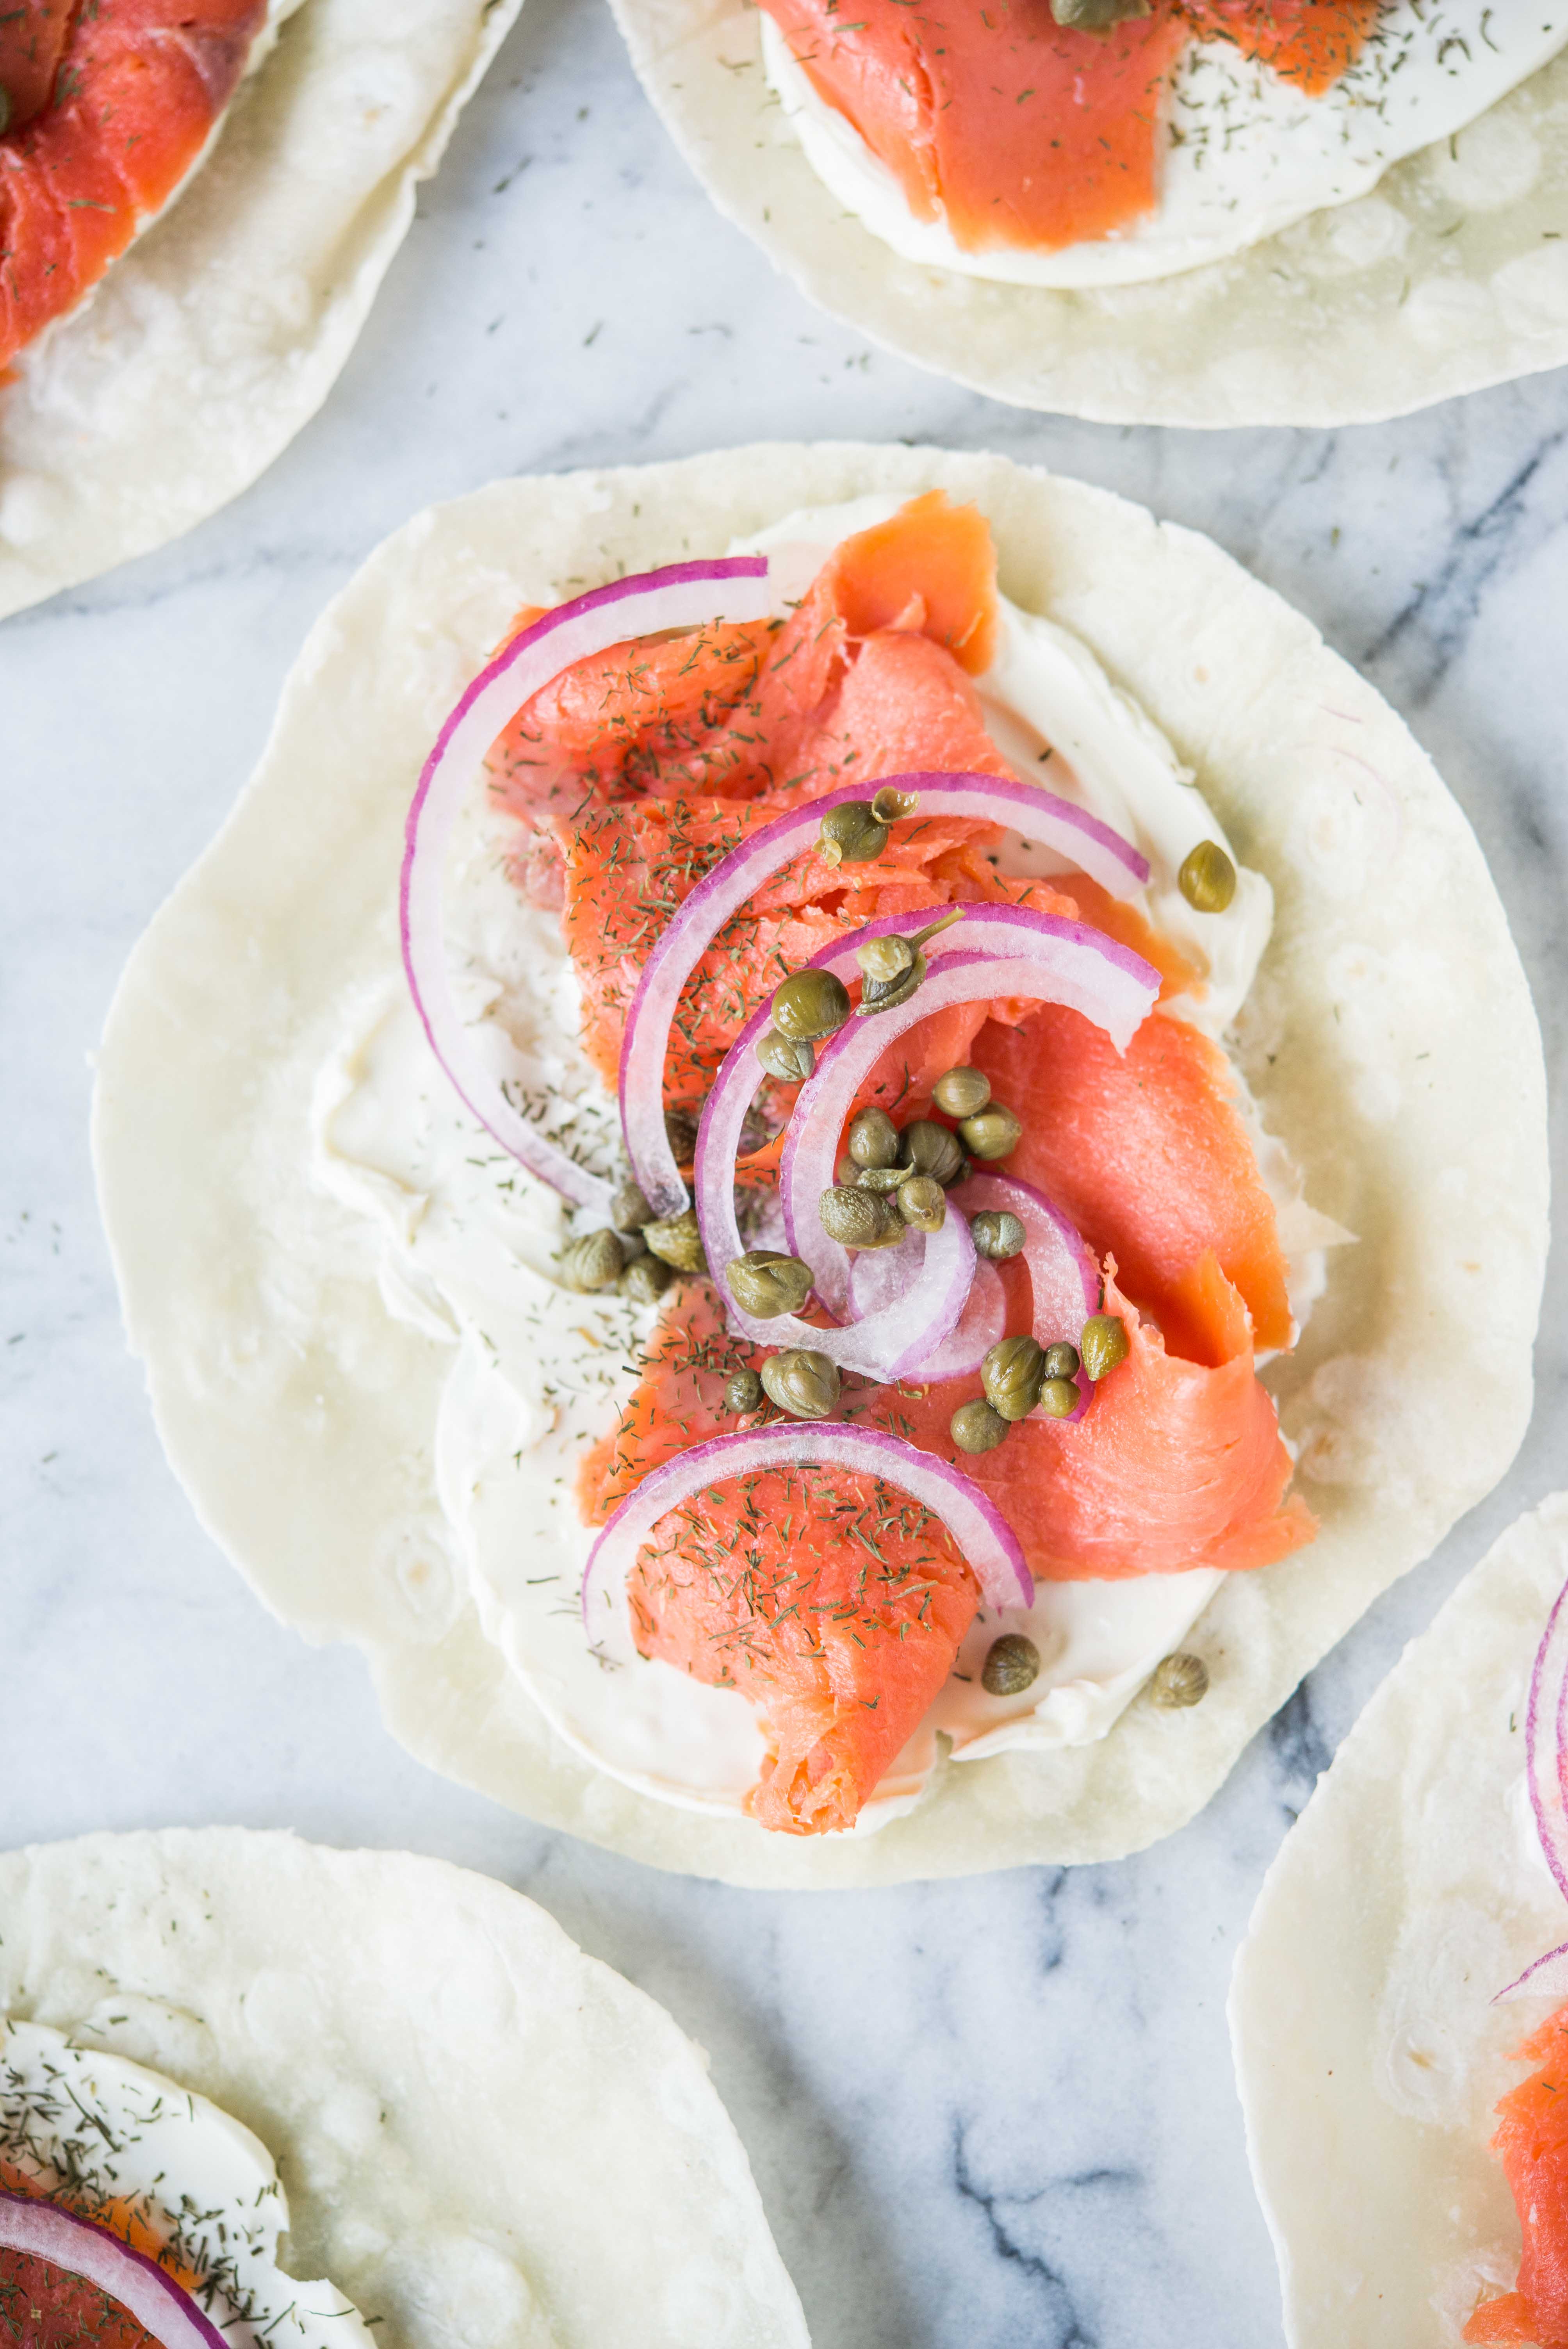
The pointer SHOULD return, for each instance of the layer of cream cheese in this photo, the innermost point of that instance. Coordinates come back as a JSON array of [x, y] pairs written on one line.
[[468, 1243], [70, 2113], [1247, 153]]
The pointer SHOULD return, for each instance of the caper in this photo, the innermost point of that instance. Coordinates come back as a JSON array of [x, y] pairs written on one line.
[[883, 1179], [1208, 878], [927, 1148], [676, 1241], [629, 1211], [853, 1217], [592, 1262], [1061, 1361], [996, 1233], [993, 1132], [680, 1132], [802, 1382], [644, 1280], [1094, 15], [809, 1005], [885, 958], [786, 1057], [888, 804], [765, 1284], [1012, 1666], [742, 1390], [922, 1202], [873, 1138], [975, 1427], [1102, 1342], [1179, 1680], [887, 994], [1012, 1374], [851, 835], [962, 1092], [1058, 1398]]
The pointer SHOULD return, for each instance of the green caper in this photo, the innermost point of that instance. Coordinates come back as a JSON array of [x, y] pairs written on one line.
[[884, 1180], [644, 1280], [853, 1217], [786, 1058], [962, 1092], [1061, 1361], [996, 1233], [851, 835], [927, 1148], [1102, 1344], [889, 806], [629, 1211], [680, 1132], [1179, 1680], [885, 958], [975, 1427], [885, 988], [922, 1202], [592, 1262], [1012, 1374], [993, 1132], [810, 1004], [887, 994], [1094, 15], [1058, 1398], [676, 1241], [873, 1138], [1012, 1666], [742, 1390], [1208, 878], [765, 1284], [802, 1382]]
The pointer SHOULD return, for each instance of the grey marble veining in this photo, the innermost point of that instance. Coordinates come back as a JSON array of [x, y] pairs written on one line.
[[984, 2114]]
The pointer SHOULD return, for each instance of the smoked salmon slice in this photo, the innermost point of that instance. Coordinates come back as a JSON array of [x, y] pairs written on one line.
[[1532, 2142], [116, 101], [1015, 131]]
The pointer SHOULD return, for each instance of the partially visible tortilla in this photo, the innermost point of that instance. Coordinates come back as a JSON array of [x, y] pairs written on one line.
[[1390, 1040], [488, 2140], [218, 336], [1369, 2053], [1452, 275]]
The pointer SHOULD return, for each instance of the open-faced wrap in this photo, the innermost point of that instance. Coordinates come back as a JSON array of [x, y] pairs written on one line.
[[1388, 1039]]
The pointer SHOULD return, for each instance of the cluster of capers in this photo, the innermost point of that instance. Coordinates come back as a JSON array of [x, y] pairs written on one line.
[[985, 1127], [1019, 1375], [800, 1381], [638, 1254], [856, 832]]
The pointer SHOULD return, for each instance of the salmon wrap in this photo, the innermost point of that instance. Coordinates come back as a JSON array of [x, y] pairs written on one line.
[[198, 200], [833, 1225]]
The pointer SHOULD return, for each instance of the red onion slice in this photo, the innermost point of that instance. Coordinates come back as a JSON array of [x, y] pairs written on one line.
[[989, 1547], [877, 1276], [1064, 1278], [1546, 1977], [1544, 1725], [682, 596], [159, 2305], [1090, 845]]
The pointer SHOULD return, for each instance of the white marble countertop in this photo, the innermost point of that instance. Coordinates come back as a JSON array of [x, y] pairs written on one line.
[[983, 2113]]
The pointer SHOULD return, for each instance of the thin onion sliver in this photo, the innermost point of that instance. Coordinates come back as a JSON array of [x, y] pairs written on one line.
[[159, 2305]]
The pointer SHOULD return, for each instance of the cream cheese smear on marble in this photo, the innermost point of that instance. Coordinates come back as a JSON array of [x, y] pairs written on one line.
[[470, 1242]]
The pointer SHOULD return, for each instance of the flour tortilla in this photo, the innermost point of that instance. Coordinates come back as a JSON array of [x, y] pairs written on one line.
[[1370, 2055], [487, 2139], [1390, 1041], [1449, 276], [218, 336]]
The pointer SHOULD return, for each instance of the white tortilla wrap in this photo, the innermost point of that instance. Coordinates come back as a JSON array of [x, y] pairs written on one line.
[[1390, 1040], [1451, 275], [486, 2137], [1369, 2051], [218, 334]]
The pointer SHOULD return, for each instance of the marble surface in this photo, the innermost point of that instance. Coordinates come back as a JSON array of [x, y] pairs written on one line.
[[986, 2112]]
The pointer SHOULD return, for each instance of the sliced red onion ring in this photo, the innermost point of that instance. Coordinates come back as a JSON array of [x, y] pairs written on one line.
[[990, 1548], [682, 596], [878, 1276], [1544, 1726], [1547, 1978], [1062, 1275], [1091, 845], [159, 2305]]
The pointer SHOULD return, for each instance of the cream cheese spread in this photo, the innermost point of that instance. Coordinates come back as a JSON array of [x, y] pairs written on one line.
[[72, 2116], [468, 1243], [1247, 154]]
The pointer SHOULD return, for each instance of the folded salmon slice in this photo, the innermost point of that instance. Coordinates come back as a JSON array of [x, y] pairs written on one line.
[[1532, 2142], [116, 101]]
